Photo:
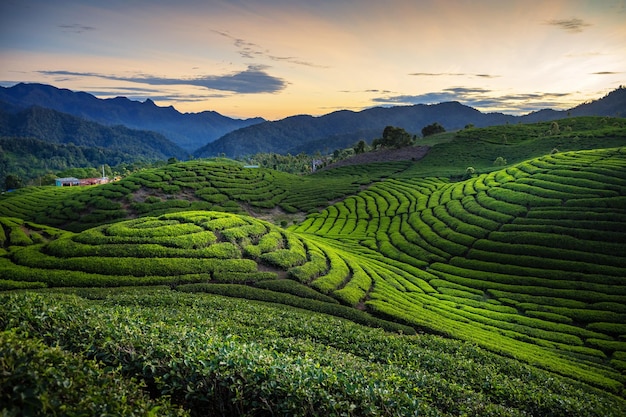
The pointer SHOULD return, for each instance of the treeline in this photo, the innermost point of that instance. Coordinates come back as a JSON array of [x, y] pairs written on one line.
[[392, 138], [36, 142], [37, 162], [59, 128]]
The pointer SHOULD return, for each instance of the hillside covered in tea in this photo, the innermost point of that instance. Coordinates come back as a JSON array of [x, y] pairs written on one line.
[[487, 278]]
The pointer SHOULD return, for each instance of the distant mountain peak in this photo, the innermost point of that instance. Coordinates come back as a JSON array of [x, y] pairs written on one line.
[[342, 129], [188, 130]]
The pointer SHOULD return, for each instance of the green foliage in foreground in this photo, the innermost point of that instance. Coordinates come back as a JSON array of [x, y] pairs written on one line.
[[42, 380], [217, 356], [476, 260]]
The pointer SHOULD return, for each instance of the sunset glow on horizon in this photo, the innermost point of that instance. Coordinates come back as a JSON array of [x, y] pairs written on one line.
[[279, 58]]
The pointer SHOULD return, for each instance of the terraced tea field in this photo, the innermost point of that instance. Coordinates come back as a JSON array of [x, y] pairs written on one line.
[[526, 263], [224, 186], [527, 257]]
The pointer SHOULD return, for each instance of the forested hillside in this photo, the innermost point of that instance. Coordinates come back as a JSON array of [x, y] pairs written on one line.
[[28, 159], [187, 130], [345, 128], [59, 128], [36, 142]]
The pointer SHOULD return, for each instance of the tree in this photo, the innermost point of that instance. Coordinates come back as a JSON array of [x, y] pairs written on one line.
[[469, 172], [554, 129], [12, 182], [500, 161], [432, 129], [360, 147], [393, 137]]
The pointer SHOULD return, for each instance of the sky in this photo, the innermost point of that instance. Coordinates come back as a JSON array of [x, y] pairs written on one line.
[[278, 58]]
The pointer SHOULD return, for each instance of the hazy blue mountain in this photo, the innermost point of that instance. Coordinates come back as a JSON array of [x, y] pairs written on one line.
[[188, 130], [344, 128], [60, 128], [209, 133], [613, 104]]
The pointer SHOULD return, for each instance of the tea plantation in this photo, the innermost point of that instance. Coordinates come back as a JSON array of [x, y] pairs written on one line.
[[209, 288]]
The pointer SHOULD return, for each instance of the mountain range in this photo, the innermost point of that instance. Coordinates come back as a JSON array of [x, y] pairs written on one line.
[[209, 133], [344, 128], [58, 128], [187, 130]]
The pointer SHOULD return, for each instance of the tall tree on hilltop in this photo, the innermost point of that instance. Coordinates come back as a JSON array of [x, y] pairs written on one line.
[[393, 137], [432, 129]]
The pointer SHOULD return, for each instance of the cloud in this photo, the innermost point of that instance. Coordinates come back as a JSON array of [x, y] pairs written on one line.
[[76, 28], [585, 55], [482, 99], [573, 25], [452, 74], [605, 73], [253, 80], [251, 50], [377, 91]]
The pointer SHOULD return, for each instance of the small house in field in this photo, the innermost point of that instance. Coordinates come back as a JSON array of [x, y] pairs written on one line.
[[94, 181], [71, 181], [67, 182]]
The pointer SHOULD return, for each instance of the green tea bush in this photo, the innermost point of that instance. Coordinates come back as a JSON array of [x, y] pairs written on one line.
[[242, 277], [270, 241], [283, 258], [19, 237], [503, 201], [150, 227], [479, 225], [295, 288], [356, 288], [38, 380], [104, 204], [9, 284], [313, 268], [545, 315], [222, 250], [336, 275], [223, 222], [330, 308], [397, 247], [615, 329], [559, 255], [253, 230], [473, 206]]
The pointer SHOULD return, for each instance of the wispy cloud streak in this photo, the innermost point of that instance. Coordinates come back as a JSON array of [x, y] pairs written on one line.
[[253, 80], [76, 28], [452, 74], [251, 50], [573, 25], [481, 98]]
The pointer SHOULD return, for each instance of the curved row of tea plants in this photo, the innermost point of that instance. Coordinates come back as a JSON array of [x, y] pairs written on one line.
[[480, 148], [194, 185], [178, 249], [531, 255], [426, 264], [218, 356]]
